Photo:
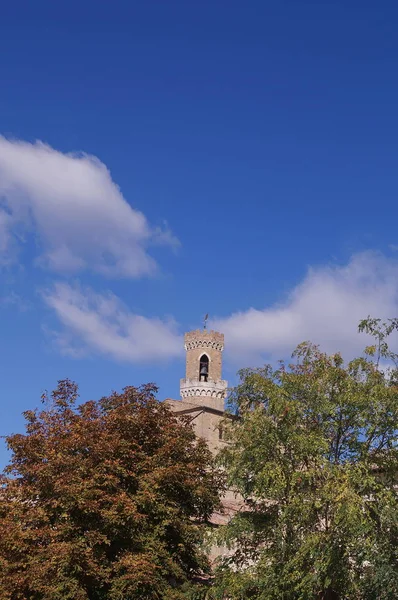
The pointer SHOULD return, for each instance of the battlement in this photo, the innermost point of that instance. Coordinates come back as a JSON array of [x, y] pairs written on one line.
[[202, 338]]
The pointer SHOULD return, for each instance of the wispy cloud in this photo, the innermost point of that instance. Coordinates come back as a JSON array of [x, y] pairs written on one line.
[[100, 323], [324, 308], [76, 212], [12, 299]]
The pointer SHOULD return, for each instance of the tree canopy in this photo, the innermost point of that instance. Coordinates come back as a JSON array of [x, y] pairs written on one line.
[[315, 457], [104, 499]]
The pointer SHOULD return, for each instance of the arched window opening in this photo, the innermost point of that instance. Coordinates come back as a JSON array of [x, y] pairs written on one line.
[[204, 368], [220, 433]]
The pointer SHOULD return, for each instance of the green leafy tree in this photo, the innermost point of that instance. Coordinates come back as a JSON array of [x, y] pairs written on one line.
[[315, 457], [106, 499]]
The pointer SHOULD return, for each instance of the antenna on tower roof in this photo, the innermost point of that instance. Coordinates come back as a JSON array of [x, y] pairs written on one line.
[[205, 320]]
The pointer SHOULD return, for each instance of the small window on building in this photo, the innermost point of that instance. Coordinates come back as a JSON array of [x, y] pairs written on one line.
[[204, 368], [220, 433]]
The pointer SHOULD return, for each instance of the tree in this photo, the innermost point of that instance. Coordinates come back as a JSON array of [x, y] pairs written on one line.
[[106, 499], [315, 457]]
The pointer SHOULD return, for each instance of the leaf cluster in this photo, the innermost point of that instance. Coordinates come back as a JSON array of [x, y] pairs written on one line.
[[315, 457], [105, 499]]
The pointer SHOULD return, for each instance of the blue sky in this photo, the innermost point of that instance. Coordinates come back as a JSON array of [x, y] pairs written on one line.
[[224, 157]]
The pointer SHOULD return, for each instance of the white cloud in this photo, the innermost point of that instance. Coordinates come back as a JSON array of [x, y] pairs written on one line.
[[78, 215], [101, 323], [7, 241], [12, 299], [325, 309]]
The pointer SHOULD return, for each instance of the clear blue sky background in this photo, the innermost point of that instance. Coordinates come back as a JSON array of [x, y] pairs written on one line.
[[263, 133]]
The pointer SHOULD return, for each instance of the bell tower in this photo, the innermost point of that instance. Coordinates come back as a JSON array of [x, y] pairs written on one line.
[[203, 383]]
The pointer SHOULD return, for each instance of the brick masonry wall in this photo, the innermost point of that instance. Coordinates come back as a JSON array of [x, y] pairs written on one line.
[[201, 342]]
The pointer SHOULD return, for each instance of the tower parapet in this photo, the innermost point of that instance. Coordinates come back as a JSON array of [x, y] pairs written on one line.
[[202, 338], [203, 381]]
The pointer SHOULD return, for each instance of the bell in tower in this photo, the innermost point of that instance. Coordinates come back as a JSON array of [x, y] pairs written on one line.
[[204, 368]]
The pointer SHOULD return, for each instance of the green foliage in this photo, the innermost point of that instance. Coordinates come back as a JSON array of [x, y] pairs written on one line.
[[315, 457], [105, 500]]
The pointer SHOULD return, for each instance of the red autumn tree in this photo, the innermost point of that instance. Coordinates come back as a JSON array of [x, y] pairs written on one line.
[[106, 499]]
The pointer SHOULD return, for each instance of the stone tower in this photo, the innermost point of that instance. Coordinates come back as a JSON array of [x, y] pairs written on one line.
[[203, 384], [202, 401]]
